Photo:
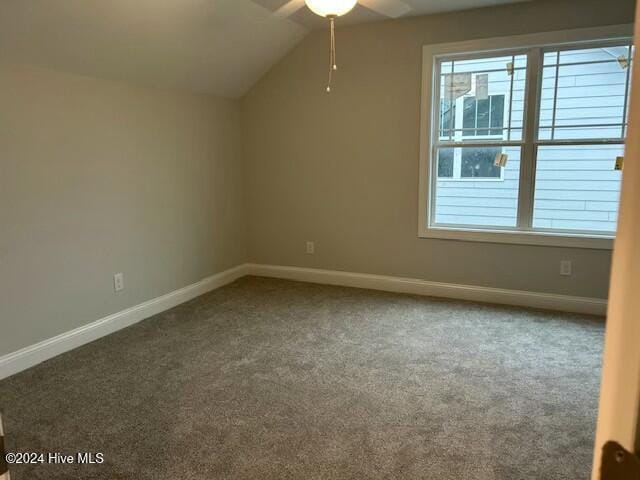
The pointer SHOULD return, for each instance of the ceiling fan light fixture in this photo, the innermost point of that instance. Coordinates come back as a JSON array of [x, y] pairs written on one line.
[[331, 8]]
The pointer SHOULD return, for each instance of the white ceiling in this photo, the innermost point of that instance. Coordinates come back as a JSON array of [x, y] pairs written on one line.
[[361, 14], [214, 46]]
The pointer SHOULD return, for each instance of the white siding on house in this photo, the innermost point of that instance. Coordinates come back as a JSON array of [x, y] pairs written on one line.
[[488, 202], [577, 187]]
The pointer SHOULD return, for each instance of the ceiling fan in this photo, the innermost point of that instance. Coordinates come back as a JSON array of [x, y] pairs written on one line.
[[332, 9]]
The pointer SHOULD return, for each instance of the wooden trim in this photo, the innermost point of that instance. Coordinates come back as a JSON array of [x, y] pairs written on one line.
[[4, 468], [619, 412]]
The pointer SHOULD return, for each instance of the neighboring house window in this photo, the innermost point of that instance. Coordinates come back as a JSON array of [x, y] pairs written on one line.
[[481, 119], [480, 114], [473, 164], [479, 163], [558, 113], [447, 116]]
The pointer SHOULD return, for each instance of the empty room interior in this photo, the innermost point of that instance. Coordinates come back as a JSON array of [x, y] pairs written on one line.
[[319, 239]]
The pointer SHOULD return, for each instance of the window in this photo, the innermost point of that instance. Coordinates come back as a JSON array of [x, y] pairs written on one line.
[[481, 113], [526, 140]]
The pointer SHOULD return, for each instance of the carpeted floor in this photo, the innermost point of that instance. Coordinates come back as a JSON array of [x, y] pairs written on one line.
[[271, 379]]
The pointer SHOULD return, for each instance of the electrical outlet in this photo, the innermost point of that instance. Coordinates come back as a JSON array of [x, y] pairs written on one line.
[[118, 282], [311, 248], [565, 268]]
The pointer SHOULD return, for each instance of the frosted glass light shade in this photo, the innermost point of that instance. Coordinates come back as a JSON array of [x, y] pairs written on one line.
[[326, 8]]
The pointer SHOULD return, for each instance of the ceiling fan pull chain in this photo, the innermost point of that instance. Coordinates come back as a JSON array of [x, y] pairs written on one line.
[[332, 53], [333, 42]]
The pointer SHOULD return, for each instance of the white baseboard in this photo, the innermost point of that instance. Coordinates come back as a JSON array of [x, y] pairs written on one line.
[[547, 301], [27, 357]]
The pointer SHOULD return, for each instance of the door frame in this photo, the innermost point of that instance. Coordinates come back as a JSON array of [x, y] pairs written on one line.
[[619, 410]]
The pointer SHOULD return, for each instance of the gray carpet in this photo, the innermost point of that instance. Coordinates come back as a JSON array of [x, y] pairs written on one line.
[[271, 379]]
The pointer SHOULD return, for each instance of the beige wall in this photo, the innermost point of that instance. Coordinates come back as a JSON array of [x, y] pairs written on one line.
[[99, 177], [342, 169]]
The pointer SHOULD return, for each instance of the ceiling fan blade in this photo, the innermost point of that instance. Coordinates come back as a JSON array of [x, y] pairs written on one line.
[[289, 8], [388, 8]]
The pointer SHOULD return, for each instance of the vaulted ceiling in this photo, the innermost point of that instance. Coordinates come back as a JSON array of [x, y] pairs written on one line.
[[214, 46]]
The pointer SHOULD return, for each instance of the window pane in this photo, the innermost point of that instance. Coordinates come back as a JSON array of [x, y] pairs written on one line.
[[489, 201], [585, 55], [487, 96], [469, 121], [497, 114], [447, 115], [482, 113], [445, 163], [486, 64], [629, 86], [577, 188], [482, 117], [583, 93], [478, 163]]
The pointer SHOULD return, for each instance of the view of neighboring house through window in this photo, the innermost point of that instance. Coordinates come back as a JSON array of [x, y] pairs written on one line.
[[583, 113], [481, 102], [577, 129], [482, 117]]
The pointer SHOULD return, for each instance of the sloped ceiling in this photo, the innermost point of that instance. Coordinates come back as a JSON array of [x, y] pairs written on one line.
[[220, 47], [212, 46]]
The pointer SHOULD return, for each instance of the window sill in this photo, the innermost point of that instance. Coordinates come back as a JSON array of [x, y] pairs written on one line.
[[550, 239]]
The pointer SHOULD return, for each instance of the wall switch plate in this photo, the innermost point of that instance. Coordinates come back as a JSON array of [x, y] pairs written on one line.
[[118, 282], [565, 268], [311, 248]]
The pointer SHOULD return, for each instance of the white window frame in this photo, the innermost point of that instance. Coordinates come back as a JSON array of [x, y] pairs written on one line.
[[428, 172]]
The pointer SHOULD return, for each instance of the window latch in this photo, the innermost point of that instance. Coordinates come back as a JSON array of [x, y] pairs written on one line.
[[510, 68], [618, 463], [623, 61], [501, 160]]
